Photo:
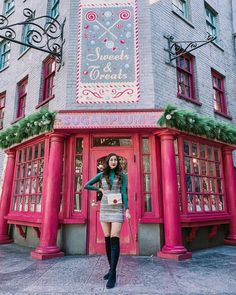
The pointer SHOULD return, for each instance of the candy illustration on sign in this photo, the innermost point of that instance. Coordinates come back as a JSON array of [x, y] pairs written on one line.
[[108, 53]]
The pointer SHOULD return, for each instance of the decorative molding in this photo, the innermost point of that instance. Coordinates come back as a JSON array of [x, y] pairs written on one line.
[[213, 231], [107, 120], [21, 231]]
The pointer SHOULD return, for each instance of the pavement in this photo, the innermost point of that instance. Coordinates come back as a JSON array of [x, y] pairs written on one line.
[[211, 271]]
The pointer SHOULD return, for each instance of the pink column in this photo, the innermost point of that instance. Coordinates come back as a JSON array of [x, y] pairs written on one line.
[[48, 239], [230, 187], [6, 198], [173, 248]]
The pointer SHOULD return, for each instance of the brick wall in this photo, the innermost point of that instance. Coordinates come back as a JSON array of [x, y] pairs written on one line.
[[220, 58]]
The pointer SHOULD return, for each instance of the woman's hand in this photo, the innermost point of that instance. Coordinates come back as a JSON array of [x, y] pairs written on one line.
[[127, 214], [101, 190]]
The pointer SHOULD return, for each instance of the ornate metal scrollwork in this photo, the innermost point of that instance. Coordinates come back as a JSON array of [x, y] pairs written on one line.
[[47, 37], [179, 48]]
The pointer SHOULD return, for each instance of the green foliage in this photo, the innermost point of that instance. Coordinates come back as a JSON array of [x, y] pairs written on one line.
[[188, 121], [34, 124]]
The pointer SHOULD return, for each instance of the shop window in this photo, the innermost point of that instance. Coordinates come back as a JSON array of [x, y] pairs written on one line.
[[112, 141], [185, 79], [146, 175], [22, 94], [2, 107], [53, 8], [78, 175], [219, 93], [181, 7], [49, 70], [28, 179], [5, 48], [203, 177], [211, 21], [9, 6]]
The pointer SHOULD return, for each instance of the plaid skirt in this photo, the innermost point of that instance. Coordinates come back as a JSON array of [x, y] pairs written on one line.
[[111, 213]]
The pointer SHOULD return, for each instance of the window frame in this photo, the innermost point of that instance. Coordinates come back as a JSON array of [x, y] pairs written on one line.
[[9, 10], [25, 29], [4, 55], [16, 197], [2, 107], [184, 13], [220, 91], [144, 173], [53, 8], [189, 73], [46, 78], [155, 214], [68, 214], [212, 24], [21, 99], [184, 199]]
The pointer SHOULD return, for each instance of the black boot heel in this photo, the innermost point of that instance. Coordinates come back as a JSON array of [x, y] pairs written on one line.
[[111, 281], [106, 276]]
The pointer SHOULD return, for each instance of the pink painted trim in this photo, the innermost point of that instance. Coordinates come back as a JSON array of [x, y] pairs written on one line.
[[223, 115], [178, 257], [221, 90], [77, 220], [44, 256], [146, 220], [5, 200], [22, 220], [100, 86], [111, 111], [17, 119], [195, 101], [41, 103]]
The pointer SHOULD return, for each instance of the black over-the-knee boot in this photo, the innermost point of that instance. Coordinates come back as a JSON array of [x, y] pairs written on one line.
[[108, 252], [115, 253]]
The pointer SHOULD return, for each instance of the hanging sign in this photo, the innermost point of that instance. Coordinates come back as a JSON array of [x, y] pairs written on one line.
[[108, 67]]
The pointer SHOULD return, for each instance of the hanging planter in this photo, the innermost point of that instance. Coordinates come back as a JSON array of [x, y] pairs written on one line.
[[32, 125], [191, 122]]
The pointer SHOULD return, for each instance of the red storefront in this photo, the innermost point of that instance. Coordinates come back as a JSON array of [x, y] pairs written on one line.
[[178, 184]]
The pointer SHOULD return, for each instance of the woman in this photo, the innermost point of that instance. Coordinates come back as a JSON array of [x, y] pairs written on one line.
[[113, 180]]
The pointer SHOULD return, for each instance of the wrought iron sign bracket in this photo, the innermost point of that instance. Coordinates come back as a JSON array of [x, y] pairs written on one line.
[[179, 48], [46, 37]]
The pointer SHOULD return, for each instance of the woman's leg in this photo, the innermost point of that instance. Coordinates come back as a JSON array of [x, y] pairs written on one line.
[[106, 227], [115, 229], [115, 253]]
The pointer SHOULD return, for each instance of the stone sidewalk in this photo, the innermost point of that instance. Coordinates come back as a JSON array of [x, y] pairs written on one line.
[[211, 271]]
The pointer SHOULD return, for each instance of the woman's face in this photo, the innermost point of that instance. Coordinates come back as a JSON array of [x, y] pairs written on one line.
[[113, 161]]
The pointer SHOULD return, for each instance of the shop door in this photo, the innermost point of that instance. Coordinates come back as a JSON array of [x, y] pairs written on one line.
[[129, 229]]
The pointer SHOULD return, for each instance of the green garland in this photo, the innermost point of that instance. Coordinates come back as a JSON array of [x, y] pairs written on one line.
[[191, 122], [34, 124]]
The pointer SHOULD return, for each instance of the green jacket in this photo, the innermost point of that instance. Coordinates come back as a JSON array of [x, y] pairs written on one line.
[[90, 185]]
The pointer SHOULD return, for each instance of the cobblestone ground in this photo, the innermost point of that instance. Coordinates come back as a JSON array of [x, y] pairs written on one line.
[[209, 272]]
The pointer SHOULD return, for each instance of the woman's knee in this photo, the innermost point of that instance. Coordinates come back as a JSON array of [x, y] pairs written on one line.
[[115, 230], [106, 228]]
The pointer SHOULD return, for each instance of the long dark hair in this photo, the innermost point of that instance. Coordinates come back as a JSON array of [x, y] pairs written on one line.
[[117, 169]]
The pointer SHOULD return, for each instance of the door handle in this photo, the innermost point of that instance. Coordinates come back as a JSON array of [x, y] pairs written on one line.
[[94, 203]]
